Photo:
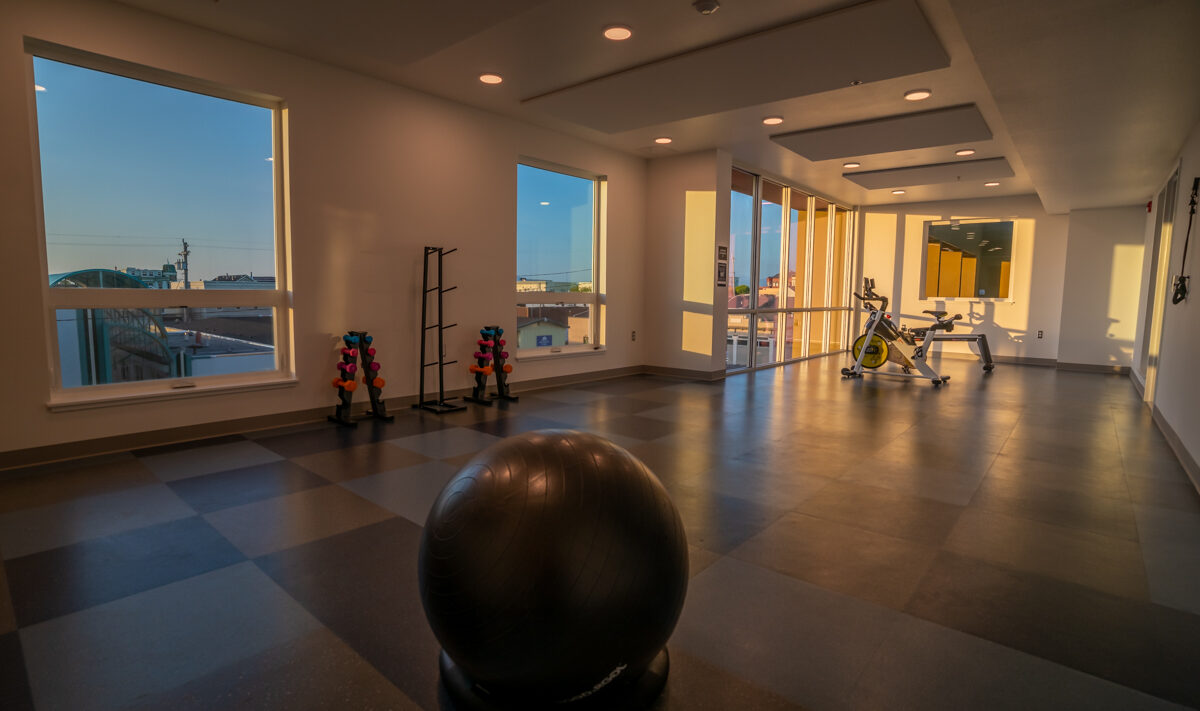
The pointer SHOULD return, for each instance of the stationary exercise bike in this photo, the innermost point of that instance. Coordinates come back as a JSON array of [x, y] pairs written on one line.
[[882, 342]]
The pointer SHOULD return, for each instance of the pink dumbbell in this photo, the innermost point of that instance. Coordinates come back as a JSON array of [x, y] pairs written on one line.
[[371, 351], [503, 354], [374, 366], [485, 356], [352, 352], [502, 341], [348, 367], [484, 343]]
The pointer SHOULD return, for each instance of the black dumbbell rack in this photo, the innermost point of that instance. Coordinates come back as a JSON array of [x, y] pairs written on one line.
[[482, 368], [357, 347], [499, 356], [442, 404]]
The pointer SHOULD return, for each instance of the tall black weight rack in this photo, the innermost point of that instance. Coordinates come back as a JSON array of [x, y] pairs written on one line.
[[442, 404]]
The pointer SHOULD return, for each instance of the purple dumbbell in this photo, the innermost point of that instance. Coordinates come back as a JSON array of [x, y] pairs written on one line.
[[485, 356], [348, 367], [374, 366], [504, 354]]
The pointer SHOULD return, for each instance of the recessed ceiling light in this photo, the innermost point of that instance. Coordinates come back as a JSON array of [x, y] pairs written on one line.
[[544, 202], [897, 192], [991, 184], [917, 94], [663, 139], [271, 159], [618, 32], [852, 164], [965, 152], [491, 78], [772, 120], [38, 87]]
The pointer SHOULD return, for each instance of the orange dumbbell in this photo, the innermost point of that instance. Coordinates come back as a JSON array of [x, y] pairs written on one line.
[[474, 369], [338, 382], [487, 370], [375, 382], [507, 368]]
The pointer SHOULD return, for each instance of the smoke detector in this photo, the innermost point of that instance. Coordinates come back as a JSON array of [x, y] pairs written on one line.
[[706, 7]]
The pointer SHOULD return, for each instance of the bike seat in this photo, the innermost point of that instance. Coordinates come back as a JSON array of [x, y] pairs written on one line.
[[935, 314]]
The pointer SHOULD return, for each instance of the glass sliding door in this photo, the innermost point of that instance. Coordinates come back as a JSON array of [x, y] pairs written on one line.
[[789, 266]]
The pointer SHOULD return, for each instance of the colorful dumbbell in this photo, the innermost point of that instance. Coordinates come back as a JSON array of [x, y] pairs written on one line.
[[348, 367], [374, 366], [507, 368], [485, 343], [368, 339], [376, 382], [371, 351], [503, 354], [352, 352], [485, 356], [502, 341], [347, 385], [350, 340]]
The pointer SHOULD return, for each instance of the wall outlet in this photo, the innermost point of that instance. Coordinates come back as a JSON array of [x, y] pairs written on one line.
[[1039, 334], [633, 335]]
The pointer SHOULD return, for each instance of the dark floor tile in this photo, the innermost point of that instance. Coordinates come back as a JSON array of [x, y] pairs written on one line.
[[361, 460], [883, 511], [516, 424], [925, 667], [695, 685], [643, 428], [951, 486], [1137, 644], [363, 586], [794, 639], [14, 686], [1107, 479], [720, 523], [213, 492], [845, 559], [191, 444], [184, 463], [8, 620], [313, 671], [65, 580], [325, 436], [1113, 565], [64, 484], [1026, 498], [626, 386]]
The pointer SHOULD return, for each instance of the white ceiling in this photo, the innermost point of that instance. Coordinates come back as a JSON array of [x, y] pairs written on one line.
[[1088, 100]]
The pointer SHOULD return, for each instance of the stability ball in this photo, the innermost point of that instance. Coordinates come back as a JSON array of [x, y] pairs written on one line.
[[553, 568]]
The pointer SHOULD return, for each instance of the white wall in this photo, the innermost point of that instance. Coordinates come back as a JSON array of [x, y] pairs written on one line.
[[893, 254], [687, 216], [1101, 286], [377, 172], [1178, 392]]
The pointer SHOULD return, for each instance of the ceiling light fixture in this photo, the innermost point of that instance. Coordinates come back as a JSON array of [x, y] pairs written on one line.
[[772, 120], [852, 164], [897, 192], [491, 78], [618, 32], [38, 87], [706, 7], [663, 140], [544, 202], [991, 184], [917, 94], [965, 152]]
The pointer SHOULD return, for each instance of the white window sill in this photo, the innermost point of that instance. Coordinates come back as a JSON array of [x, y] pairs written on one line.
[[564, 352], [88, 397]]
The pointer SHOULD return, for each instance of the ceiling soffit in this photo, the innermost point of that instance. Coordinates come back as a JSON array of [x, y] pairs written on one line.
[[870, 42], [985, 169], [926, 129]]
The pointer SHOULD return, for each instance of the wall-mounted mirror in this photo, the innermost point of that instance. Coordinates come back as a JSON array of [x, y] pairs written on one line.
[[968, 260]]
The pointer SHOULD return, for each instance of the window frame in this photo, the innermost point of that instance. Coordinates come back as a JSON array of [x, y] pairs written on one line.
[[596, 298], [280, 299], [924, 281]]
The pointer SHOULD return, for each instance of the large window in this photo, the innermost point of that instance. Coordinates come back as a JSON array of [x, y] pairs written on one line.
[[162, 224], [560, 229], [788, 286], [968, 260]]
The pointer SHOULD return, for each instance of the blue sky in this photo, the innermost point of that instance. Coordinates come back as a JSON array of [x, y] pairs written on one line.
[[555, 216], [131, 168]]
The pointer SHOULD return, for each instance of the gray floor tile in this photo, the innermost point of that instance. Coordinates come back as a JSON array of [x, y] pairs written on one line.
[[66, 483], [846, 559], [954, 487], [695, 685], [1109, 564], [883, 511], [314, 671], [112, 655], [40, 529], [1158, 525], [1150, 491], [409, 492], [1173, 574], [448, 442], [924, 667], [363, 460], [1027, 498], [275, 524], [796, 640], [699, 559], [171, 466], [570, 396]]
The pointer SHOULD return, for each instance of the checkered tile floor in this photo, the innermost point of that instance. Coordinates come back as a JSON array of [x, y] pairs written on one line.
[[1021, 541]]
